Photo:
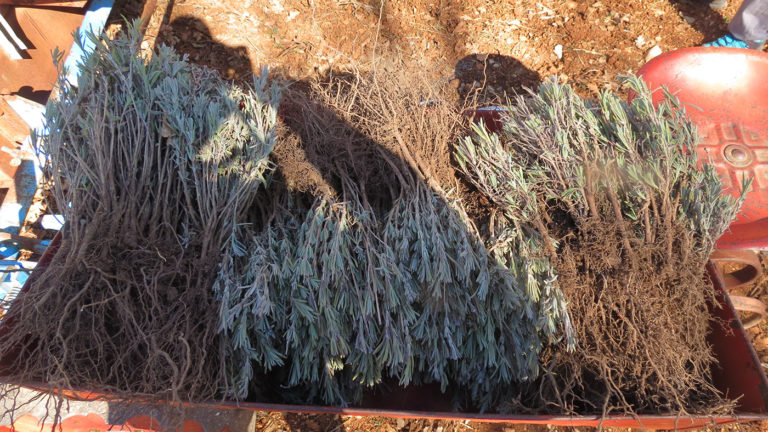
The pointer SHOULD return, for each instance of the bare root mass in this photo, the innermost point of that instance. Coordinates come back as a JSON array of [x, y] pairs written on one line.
[[617, 192], [120, 319], [381, 132], [640, 317], [151, 161]]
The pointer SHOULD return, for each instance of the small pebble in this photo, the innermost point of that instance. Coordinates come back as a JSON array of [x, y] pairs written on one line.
[[653, 52], [559, 51]]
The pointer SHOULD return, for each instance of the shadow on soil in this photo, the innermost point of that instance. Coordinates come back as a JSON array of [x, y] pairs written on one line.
[[130, 10], [192, 36], [491, 76], [483, 77], [702, 18]]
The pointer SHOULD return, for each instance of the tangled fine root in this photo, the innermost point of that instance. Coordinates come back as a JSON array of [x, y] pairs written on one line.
[[630, 217], [641, 320], [152, 161]]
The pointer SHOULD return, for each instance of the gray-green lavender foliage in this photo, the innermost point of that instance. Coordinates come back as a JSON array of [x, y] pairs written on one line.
[[167, 133], [343, 300], [309, 295], [152, 161], [561, 169], [555, 145]]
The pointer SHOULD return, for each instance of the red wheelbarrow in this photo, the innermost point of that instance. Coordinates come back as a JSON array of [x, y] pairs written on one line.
[[725, 93], [734, 119]]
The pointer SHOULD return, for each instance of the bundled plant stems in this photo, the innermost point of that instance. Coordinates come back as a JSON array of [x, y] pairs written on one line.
[[380, 275], [630, 217], [605, 201], [209, 252], [152, 161]]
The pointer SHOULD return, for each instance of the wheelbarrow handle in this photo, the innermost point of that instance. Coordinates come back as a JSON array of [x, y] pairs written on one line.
[[750, 270], [749, 304]]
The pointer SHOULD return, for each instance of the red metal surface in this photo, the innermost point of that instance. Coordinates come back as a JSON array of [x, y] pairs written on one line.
[[753, 235], [43, 30], [96, 423], [740, 371], [725, 92], [78, 423]]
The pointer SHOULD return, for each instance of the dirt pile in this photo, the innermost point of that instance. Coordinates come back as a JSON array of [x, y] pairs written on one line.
[[499, 46]]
